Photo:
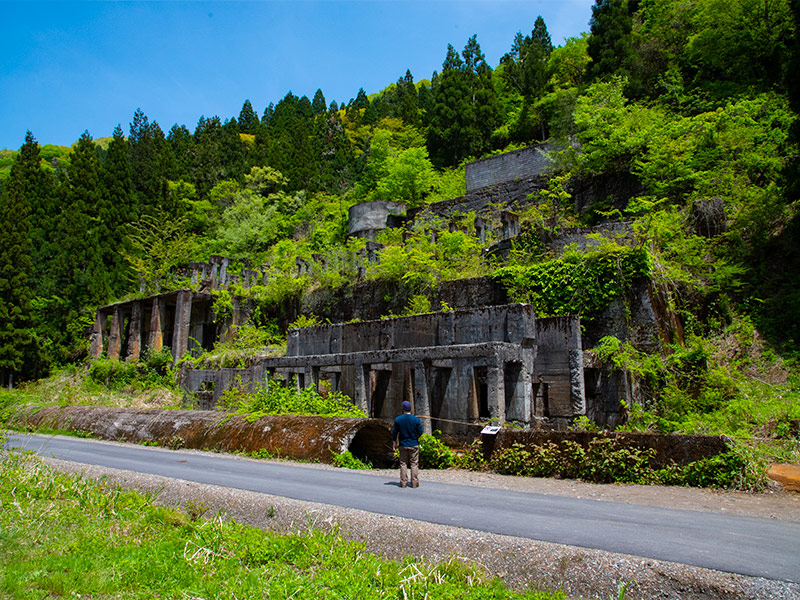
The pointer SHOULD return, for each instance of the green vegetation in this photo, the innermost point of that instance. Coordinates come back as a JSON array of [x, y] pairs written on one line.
[[67, 536], [433, 454], [346, 460], [285, 399]]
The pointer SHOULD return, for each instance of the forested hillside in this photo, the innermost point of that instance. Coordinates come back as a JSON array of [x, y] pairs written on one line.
[[695, 100]]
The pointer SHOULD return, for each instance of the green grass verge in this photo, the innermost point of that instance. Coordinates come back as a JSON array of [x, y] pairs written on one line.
[[64, 536]]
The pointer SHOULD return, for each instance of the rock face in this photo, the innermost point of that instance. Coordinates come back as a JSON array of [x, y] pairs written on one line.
[[290, 436]]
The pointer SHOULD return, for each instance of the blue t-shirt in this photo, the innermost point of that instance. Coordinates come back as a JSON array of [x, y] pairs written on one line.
[[409, 428]]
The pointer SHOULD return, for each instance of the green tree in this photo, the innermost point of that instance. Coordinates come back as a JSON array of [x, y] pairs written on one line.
[[466, 110], [318, 104], [117, 209], [248, 119], [152, 162], [526, 70], [739, 43], [16, 268], [79, 273], [610, 44], [406, 100]]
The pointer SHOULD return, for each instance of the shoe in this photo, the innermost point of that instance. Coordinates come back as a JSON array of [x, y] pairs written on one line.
[[402, 485], [414, 485]]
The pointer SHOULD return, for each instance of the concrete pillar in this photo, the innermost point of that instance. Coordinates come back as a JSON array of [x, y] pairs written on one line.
[[115, 334], [96, 348], [526, 385], [156, 339], [135, 333], [361, 386], [422, 399], [223, 272], [495, 380], [180, 331], [577, 394]]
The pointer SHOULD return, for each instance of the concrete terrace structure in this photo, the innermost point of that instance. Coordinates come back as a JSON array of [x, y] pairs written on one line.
[[456, 368], [182, 320]]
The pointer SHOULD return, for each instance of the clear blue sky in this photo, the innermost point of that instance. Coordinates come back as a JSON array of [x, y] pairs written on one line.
[[72, 66]]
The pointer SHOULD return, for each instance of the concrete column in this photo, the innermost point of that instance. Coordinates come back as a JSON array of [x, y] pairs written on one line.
[[135, 333], [223, 272], [156, 338], [96, 348], [422, 399], [577, 394], [496, 384], [183, 316], [115, 334], [526, 382], [361, 386]]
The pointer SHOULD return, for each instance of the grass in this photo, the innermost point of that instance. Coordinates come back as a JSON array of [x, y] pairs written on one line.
[[65, 536], [73, 386]]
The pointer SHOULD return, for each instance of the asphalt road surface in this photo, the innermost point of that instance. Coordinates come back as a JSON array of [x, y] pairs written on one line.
[[746, 545]]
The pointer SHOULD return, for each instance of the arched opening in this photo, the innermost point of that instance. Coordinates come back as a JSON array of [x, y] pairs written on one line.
[[372, 442]]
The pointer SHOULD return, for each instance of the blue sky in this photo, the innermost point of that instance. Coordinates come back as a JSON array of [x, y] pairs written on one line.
[[72, 66]]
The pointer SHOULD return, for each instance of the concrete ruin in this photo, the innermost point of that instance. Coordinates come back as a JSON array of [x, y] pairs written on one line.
[[182, 320], [517, 165], [366, 219], [298, 437], [490, 360], [458, 368]]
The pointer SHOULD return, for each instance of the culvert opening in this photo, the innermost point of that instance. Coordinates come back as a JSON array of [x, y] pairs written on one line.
[[373, 443]]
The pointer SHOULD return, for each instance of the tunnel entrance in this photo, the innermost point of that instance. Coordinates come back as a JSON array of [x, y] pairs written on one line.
[[373, 443]]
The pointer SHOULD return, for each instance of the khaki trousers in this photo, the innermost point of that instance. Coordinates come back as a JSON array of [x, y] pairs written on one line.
[[409, 458]]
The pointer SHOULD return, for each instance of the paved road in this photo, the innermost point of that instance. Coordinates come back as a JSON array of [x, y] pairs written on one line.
[[746, 545]]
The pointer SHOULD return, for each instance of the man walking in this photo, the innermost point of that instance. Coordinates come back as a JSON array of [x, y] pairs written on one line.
[[406, 431]]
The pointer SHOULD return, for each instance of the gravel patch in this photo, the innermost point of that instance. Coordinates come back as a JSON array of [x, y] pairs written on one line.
[[524, 564]]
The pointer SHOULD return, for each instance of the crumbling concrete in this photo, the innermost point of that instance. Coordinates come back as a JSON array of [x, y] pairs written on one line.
[[457, 368], [182, 320], [366, 219], [290, 436]]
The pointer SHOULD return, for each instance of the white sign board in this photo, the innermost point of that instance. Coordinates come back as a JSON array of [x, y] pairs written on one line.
[[490, 430]]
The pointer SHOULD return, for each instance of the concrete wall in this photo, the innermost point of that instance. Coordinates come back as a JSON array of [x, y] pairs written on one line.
[[367, 218], [512, 323], [519, 164]]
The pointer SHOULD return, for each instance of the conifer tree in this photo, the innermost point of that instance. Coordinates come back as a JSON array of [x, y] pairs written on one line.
[[151, 160], [318, 104], [610, 40], [16, 268], [525, 69], [248, 119], [407, 100], [181, 143], [465, 110], [119, 202]]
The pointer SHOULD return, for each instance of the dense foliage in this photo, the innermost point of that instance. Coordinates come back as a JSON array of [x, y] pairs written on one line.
[[286, 399]]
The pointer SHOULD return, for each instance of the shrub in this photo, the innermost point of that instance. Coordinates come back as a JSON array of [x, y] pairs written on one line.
[[281, 399], [346, 460], [433, 454], [159, 361]]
